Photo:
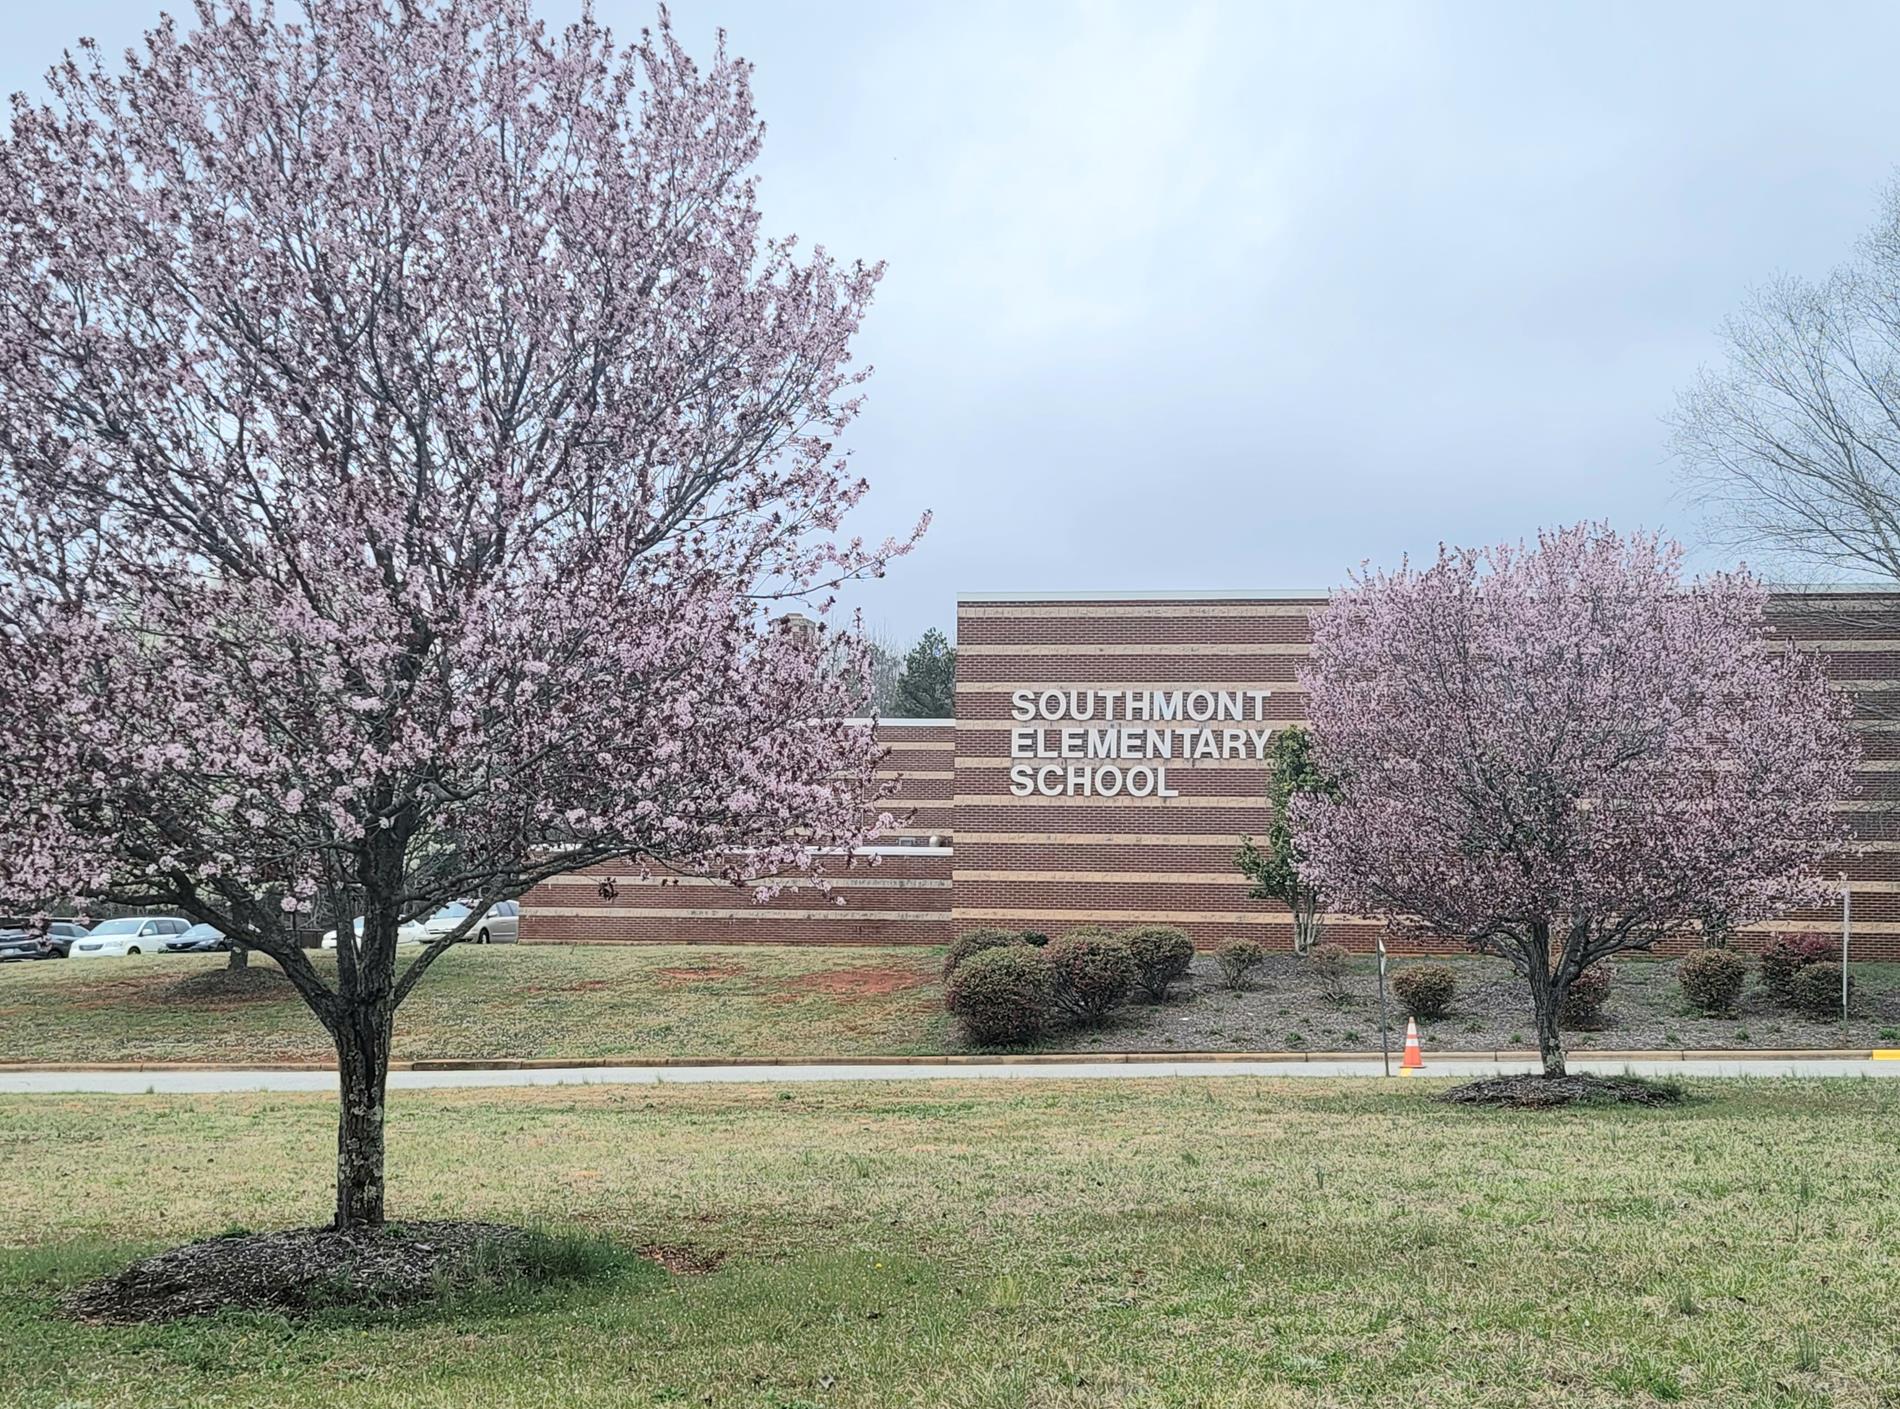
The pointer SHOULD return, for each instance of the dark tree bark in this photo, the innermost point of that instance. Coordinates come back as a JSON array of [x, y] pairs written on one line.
[[1547, 975], [240, 958], [1546, 999], [362, 1049]]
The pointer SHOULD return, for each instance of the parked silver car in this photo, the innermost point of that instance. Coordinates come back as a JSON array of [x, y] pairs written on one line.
[[500, 923]]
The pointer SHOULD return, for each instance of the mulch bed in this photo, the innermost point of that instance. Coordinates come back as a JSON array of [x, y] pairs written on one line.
[[1284, 1008], [1536, 1093], [295, 1271]]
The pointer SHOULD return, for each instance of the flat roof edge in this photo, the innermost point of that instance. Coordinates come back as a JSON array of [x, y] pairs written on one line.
[[1264, 594], [1320, 594], [1835, 589]]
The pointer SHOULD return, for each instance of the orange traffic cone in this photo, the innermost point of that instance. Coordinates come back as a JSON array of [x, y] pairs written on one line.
[[1414, 1059]]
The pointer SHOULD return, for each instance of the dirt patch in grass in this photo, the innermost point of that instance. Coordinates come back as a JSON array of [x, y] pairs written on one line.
[[225, 986], [865, 981], [683, 1260], [117, 993], [301, 1270], [1536, 1093], [699, 973]]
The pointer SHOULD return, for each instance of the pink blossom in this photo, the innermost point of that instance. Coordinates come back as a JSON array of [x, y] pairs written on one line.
[[406, 411], [1559, 753]]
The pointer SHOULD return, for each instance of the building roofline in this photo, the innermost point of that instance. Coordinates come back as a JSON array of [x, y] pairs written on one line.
[[1320, 594], [905, 722], [1835, 589], [1265, 594]]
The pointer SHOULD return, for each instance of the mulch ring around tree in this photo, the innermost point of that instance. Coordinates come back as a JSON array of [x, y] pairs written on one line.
[[1534, 1092], [301, 1270]]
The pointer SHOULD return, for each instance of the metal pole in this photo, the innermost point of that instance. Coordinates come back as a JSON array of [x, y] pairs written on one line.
[[1847, 924], [1385, 1037]]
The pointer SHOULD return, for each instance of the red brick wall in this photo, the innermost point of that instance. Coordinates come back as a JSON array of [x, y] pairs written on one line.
[[895, 893], [1051, 863]]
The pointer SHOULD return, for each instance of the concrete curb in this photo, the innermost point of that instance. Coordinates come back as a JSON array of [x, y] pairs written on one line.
[[962, 1059]]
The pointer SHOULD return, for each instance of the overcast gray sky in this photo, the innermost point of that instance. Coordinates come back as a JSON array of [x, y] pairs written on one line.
[[1241, 294]]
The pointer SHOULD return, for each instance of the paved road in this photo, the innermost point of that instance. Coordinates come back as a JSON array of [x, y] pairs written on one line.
[[133, 1082]]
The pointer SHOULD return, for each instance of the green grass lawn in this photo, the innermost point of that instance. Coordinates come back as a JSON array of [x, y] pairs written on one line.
[[792, 1002], [495, 1001], [1190, 1243]]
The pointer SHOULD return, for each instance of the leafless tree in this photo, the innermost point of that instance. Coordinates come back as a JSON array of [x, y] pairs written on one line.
[[1792, 450], [1794, 445]]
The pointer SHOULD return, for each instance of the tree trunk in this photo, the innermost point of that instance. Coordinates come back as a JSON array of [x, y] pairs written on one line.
[[1306, 924], [362, 1049], [240, 958], [1546, 999]]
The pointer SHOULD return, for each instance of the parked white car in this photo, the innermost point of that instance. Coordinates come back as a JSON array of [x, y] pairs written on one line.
[[133, 934], [411, 933], [499, 924]]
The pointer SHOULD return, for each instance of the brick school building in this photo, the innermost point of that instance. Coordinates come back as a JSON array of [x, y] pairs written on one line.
[[1107, 755]]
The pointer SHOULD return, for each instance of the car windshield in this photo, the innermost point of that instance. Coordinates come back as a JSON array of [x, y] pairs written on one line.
[[203, 932], [117, 927], [454, 910]]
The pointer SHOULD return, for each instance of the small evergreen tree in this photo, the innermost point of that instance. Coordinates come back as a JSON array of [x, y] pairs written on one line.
[[928, 687], [1273, 866]]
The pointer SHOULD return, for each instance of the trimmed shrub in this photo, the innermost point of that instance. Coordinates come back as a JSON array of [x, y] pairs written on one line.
[[1712, 979], [1426, 990], [1161, 955], [1786, 955], [1238, 958], [1583, 1001], [1815, 992], [1035, 938], [1090, 973], [973, 942], [1330, 965], [1000, 995]]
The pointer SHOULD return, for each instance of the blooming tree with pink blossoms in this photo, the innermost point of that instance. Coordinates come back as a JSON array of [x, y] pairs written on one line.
[[1564, 752], [406, 433]]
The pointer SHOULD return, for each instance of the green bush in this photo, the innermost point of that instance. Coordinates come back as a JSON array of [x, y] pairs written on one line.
[[974, 942], [1161, 955], [1035, 937], [1815, 992], [1238, 958], [1787, 955], [1090, 973], [1000, 996], [1711, 979], [1582, 1007], [1331, 966], [1426, 990]]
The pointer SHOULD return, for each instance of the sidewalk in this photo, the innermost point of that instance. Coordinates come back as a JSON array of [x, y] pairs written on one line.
[[1138, 1066]]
